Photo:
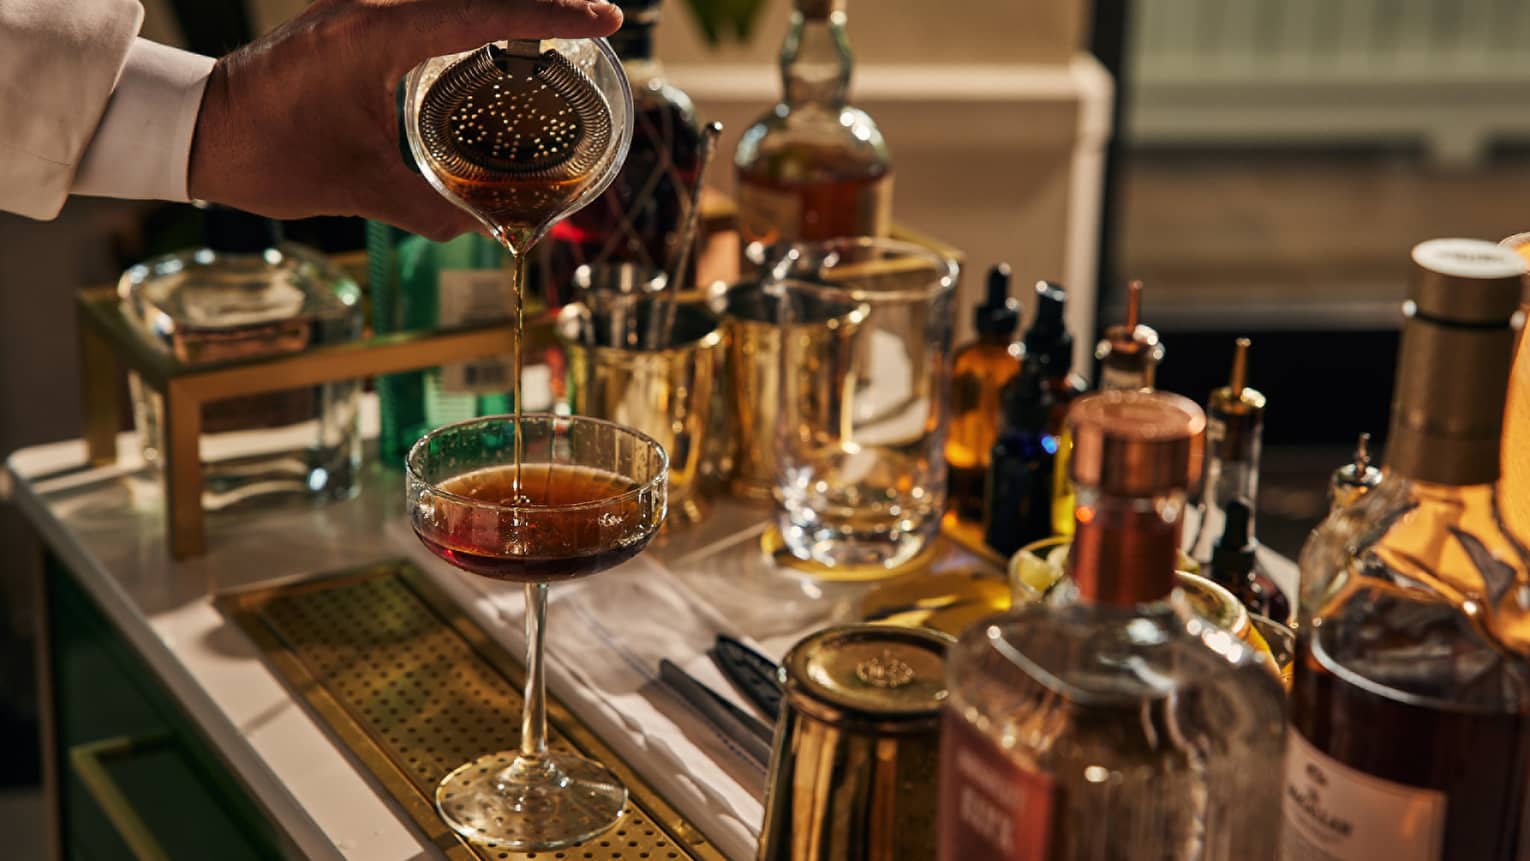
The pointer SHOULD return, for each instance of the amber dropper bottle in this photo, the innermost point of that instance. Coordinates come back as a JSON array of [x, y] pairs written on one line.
[[979, 372]]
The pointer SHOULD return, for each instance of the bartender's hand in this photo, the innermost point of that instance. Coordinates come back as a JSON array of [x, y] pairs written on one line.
[[303, 121]]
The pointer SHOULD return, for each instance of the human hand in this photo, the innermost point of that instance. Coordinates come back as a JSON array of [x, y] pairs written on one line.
[[304, 121]]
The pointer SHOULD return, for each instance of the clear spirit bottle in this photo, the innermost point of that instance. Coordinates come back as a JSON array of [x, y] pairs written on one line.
[[1120, 725], [813, 167], [247, 295], [1410, 706]]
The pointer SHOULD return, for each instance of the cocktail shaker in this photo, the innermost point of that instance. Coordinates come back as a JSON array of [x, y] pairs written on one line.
[[852, 775]]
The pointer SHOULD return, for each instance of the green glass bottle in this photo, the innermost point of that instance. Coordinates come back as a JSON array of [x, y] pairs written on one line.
[[417, 285]]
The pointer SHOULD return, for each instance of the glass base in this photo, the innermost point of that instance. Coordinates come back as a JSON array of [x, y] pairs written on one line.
[[845, 559], [505, 800]]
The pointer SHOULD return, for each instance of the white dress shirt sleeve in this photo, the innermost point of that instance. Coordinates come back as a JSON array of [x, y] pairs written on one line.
[[142, 146], [58, 64]]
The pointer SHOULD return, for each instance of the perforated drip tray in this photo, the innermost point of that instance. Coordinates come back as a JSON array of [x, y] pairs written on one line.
[[413, 689]]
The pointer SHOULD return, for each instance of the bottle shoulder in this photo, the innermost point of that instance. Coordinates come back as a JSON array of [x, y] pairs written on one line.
[[813, 142], [1418, 592]]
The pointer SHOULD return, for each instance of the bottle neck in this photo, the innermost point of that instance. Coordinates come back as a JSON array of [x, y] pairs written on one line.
[[1124, 548], [815, 61]]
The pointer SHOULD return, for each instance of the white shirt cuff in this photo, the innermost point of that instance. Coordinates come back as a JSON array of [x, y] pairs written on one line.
[[142, 147]]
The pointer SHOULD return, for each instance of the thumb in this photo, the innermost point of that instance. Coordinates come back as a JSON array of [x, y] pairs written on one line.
[[417, 30]]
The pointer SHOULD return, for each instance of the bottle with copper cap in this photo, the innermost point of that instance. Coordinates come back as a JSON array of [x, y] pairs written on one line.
[[1119, 724], [1130, 352], [1234, 431], [1410, 703]]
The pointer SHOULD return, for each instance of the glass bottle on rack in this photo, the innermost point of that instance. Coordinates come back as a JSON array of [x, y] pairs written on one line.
[[1410, 708], [979, 372], [418, 285], [247, 294], [636, 221], [1120, 724], [813, 167]]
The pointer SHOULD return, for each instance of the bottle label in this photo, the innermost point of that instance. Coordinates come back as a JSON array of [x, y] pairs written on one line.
[[1334, 813], [468, 296], [770, 214], [991, 807], [1119, 379]]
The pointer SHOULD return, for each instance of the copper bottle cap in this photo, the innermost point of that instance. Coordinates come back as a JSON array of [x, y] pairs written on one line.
[[1461, 323], [1137, 443], [1467, 281]]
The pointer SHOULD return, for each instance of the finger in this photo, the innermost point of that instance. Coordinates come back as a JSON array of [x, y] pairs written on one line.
[[420, 29]]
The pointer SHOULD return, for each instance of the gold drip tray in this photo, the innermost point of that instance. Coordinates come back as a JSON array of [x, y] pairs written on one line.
[[413, 689]]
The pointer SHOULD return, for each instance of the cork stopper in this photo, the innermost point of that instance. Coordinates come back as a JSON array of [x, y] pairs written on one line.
[[1136, 443], [1461, 321]]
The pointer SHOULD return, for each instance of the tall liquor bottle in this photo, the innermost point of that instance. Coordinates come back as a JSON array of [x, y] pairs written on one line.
[[813, 167], [1410, 708], [637, 219], [1120, 725], [417, 284]]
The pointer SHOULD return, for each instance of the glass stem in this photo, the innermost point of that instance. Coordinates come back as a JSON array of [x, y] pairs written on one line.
[[534, 713]]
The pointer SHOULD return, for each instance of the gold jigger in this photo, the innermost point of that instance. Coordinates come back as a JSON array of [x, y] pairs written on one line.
[[666, 393], [754, 369]]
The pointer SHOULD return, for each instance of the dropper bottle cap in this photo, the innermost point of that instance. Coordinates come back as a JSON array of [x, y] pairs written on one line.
[[999, 313], [1234, 553], [1048, 338]]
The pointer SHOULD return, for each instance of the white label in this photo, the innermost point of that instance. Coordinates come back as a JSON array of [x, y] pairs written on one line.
[[1334, 813], [474, 296]]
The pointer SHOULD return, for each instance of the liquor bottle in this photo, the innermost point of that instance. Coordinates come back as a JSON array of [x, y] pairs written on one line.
[[1121, 724], [1234, 432], [1129, 353], [1516, 429], [979, 372], [1354, 479], [244, 295], [636, 220], [420, 285], [1018, 494], [1410, 708], [813, 167], [1049, 343]]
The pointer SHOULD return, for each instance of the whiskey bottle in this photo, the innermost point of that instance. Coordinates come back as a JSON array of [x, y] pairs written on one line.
[[979, 372], [1120, 725], [1410, 707], [813, 167], [1234, 434], [636, 221], [1130, 352]]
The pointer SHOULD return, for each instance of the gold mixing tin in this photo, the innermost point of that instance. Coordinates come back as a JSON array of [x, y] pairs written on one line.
[[412, 688], [851, 776]]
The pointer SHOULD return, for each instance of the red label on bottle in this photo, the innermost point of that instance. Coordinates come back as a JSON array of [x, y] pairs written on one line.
[[991, 807]]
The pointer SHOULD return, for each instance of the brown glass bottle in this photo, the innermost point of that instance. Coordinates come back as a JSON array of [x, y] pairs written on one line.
[[1410, 708], [979, 372], [637, 219], [813, 167]]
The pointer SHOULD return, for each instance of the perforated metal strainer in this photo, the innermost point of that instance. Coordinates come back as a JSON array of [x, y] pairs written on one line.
[[515, 110]]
